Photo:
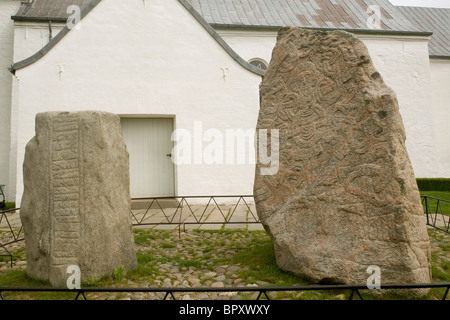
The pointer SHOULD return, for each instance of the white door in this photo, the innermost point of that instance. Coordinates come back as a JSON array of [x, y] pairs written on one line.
[[149, 145]]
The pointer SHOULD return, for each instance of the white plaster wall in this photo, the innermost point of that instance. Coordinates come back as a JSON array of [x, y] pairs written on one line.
[[404, 64], [159, 62], [7, 9], [13, 165], [30, 37], [249, 45], [440, 80]]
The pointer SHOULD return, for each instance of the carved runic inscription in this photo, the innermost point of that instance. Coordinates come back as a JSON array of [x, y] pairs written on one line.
[[65, 187], [76, 203]]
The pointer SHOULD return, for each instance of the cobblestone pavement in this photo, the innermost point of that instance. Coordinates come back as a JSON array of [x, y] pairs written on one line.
[[196, 258], [178, 256], [169, 259]]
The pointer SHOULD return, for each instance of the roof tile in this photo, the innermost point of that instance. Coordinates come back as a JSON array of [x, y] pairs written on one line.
[[346, 14], [435, 19], [48, 9]]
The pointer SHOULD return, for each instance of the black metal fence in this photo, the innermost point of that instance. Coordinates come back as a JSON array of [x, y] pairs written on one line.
[[437, 212], [263, 292], [196, 210], [11, 231]]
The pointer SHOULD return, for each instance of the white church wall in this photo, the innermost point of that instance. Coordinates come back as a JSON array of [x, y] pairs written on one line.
[[405, 66], [173, 67], [30, 37], [13, 165], [440, 80], [144, 59], [403, 61], [7, 9], [251, 44]]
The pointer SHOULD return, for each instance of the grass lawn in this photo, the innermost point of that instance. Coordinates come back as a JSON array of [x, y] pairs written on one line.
[[9, 205], [433, 205], [204, 251], [437, 194]]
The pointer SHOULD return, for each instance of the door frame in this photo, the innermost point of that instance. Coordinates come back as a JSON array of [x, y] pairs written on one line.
[[158, 116]]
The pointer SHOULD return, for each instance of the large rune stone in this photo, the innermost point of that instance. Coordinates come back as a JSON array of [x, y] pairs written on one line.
[[75, 207], [344, 197]]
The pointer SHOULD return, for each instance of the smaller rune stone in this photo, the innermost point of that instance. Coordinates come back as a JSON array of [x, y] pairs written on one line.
[[76, 204]]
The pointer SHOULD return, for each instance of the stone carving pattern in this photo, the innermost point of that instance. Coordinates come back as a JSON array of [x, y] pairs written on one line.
[[65, 186], [339, 127], [320, 101]]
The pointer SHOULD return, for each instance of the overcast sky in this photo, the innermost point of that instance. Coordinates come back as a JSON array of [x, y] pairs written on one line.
[[422, 3]]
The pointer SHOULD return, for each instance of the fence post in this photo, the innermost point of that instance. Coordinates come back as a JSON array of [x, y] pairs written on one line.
[[426, 209]]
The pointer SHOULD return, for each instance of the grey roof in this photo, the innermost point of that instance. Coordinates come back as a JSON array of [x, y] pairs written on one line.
[[55, 10], [436, 19], [86, 9], [333, 14]]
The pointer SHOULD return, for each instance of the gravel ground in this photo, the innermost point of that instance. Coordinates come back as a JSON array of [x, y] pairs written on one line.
[[197, 259], [173, 259]]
